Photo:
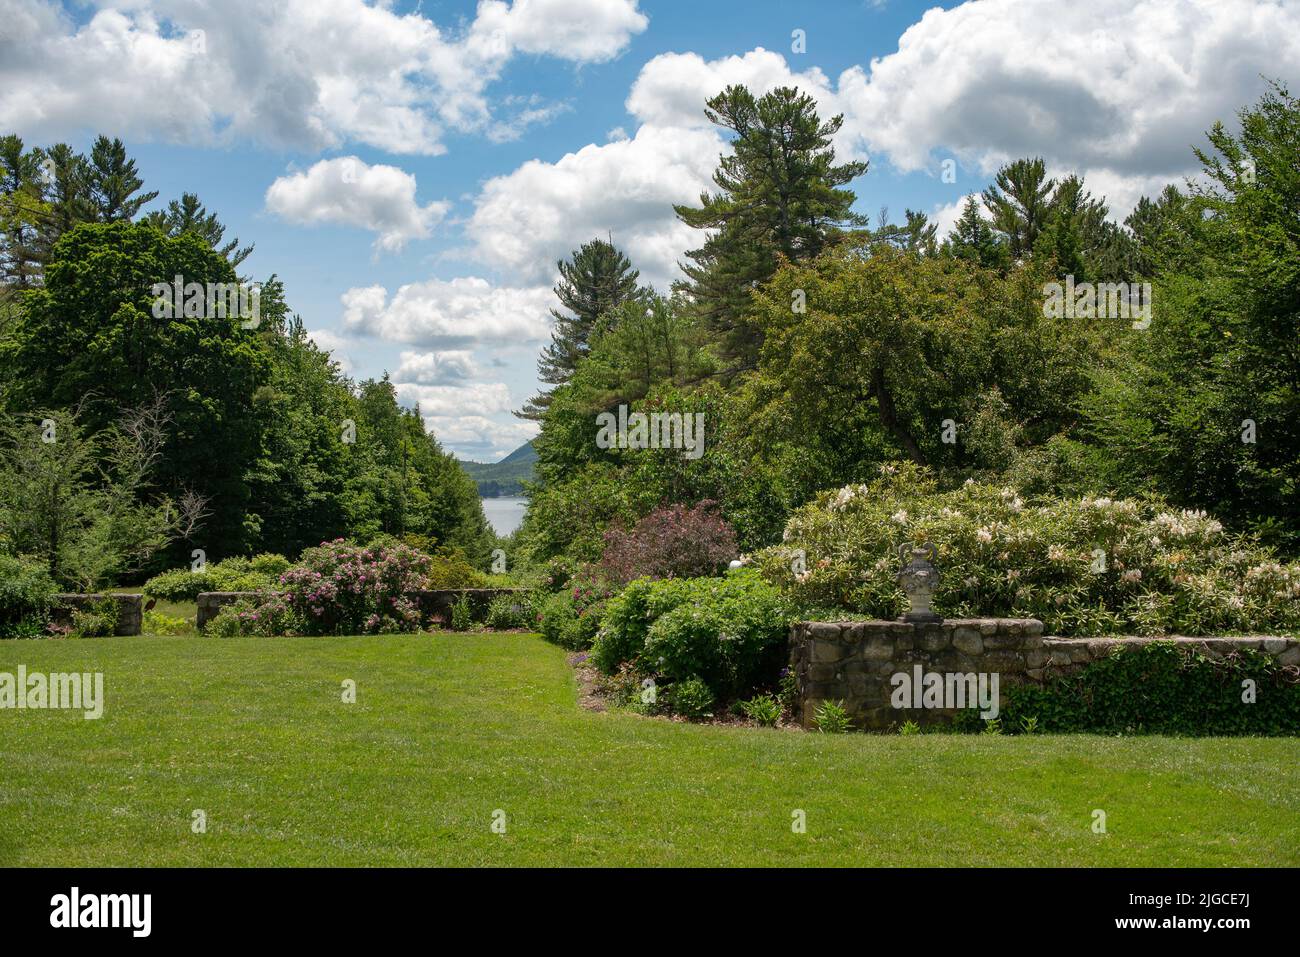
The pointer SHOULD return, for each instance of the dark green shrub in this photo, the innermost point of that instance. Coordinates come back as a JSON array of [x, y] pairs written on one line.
[[691, 698], [730, 632], [564, 621], [32, 627], [227, 623], [1159, 687], [626, 688], [179, 584], [99, 620], [26, 593], [788, 690], [572, 618]]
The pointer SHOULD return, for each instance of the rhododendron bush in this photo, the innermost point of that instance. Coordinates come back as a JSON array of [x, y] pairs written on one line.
[[1085, 566], [343, 589]]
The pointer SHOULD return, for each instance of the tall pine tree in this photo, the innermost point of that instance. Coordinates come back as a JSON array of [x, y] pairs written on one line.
[[1020, 203], [596, 280], [780, 197], [973, 239], [188, 215], [22, 207], [114, 182]]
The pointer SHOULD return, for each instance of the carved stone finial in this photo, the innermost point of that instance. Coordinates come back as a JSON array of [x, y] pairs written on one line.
[[919, 579]]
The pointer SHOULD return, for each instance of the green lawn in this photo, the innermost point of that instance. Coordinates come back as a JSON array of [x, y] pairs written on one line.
[[449, 728]]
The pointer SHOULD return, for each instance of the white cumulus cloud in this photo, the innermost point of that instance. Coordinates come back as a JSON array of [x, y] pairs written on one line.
[[431, 368], [478, 438], [349, 192], [527, 220], [1117, 90], [475, 398], [447, 314], [300, 74]]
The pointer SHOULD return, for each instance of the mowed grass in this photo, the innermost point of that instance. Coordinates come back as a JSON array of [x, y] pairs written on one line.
[[449, 728]]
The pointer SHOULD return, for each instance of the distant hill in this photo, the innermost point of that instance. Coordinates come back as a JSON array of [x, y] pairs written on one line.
[[504, 477]]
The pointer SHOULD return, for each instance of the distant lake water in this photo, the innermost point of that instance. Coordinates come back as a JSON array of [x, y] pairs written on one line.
[[504, 514]]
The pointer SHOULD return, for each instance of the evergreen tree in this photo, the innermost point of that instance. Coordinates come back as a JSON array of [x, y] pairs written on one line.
[[188, 215], [780, 198], [68, 192], [597, 280], [22, 206], [1020, 203], [1161, 232], [1086, 244], [114, 182], [916, 235], [973, 238]]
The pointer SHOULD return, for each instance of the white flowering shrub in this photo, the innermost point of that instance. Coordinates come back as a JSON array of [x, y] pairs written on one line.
[[1088, 566]]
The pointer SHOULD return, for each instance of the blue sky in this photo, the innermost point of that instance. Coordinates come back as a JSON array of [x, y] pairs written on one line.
[[412, 170]]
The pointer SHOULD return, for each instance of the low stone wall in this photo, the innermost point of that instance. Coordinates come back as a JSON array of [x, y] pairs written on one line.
[[211, 602], [855, 661], [130, 610], [438, 603], [433, 603]]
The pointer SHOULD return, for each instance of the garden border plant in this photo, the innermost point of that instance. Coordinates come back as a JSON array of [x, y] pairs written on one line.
[[1157, 687]]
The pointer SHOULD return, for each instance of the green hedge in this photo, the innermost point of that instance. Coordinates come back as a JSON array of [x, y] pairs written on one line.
[[569, 622], [233, 574], [1158, 687], [729, 632], [26, 593]]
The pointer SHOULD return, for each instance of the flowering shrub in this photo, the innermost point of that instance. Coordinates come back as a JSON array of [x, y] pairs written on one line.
[[676, 541], [342, 589], [555, 574], [1084, 566], [267, 617], [572, 618]]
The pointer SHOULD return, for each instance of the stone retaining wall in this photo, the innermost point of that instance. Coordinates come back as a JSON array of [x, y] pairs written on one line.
[[854, 661], [130, 610], [433, 603]]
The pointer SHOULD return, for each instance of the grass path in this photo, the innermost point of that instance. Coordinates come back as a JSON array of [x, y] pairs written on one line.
[[449, 728]]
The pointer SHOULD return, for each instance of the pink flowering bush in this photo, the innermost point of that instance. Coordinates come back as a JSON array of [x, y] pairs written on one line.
[[571, 618], [268, 616], [677, 541], [343, 589]]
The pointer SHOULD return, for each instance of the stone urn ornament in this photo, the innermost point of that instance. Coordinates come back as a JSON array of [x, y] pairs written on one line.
[[919, 580]]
